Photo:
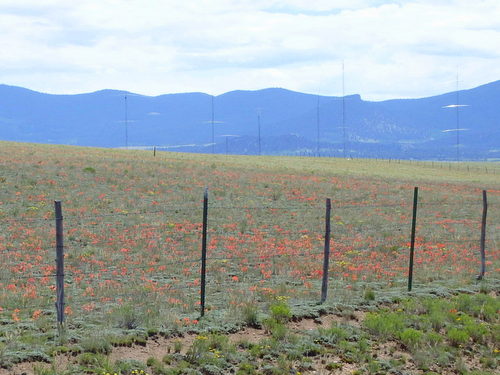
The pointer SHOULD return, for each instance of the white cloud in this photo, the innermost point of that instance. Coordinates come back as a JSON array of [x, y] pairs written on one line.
[[390, 48]]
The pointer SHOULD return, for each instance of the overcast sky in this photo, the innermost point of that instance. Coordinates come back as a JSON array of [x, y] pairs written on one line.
[[390, 49]]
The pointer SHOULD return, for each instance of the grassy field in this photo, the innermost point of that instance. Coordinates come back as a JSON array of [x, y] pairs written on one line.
[[133, 237]]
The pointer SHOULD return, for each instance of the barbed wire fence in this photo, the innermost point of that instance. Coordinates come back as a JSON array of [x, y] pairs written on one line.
[[231, 254]]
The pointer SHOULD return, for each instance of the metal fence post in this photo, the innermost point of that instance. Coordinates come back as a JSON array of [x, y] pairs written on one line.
[[59, 263], [412, 243], [483, 237], [326, 256], [204, 251]]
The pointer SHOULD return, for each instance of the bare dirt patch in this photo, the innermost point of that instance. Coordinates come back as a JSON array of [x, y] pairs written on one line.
[[250, 335], [158, 347], [61, 362], [354, 319]]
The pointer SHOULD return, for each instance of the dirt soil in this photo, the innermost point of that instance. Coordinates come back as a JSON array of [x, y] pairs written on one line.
[[159, 346]]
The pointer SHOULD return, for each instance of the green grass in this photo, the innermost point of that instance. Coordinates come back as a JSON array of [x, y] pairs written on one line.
[[132, 240]]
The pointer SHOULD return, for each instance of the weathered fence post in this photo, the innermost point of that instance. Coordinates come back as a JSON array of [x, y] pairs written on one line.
[[59, 264], [204, 252], [154, 151], [412, 243], [326, 255], [483, 237]]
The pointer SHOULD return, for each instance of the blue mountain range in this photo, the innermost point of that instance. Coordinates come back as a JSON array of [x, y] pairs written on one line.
[[462, 125]]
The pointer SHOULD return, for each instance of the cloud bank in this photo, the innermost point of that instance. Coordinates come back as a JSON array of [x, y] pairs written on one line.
[[390, 49]]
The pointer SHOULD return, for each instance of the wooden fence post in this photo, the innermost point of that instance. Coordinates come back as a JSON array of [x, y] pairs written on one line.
[[412, 243], [326, 256], [204, 252], [59, 264], [483, 237]]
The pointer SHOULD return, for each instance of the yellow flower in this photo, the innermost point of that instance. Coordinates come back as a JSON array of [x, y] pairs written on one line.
[[282, 298]]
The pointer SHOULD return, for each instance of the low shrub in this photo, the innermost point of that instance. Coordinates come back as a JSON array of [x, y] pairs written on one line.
[[411, 338], [457, 337], [280, 311], [384, 324], [251, 315]]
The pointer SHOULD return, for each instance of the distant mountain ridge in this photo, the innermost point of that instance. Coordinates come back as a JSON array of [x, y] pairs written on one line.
[[291, 123]]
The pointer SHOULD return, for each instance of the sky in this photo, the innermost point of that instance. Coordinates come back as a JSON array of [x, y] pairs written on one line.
[[380, 49]]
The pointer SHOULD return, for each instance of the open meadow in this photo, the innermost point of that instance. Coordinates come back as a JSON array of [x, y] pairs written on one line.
[[132, 244]]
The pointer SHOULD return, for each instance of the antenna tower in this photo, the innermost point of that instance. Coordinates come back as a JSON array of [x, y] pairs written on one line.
[[258, 128], [213, 130], [343, 108], [317, 127], [126, 122], [458, 121]]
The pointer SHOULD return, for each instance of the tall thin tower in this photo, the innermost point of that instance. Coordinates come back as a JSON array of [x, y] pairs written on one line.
[[343, 110], [458, 120], [317, 127], [126, 122], [213, 129], [457, 106], [258, 131]]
